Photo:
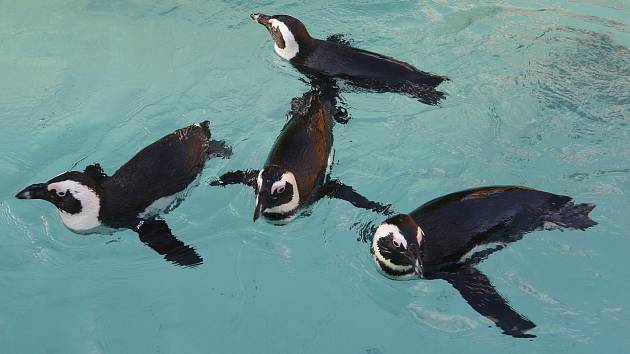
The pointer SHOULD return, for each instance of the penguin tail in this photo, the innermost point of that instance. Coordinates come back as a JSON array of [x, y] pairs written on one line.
[[206, 126], [572, 216], [427, 95], [435, 80], [428, 79]]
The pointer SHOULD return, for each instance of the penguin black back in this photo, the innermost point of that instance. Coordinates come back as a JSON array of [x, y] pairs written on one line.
[[366, 67], [164, 168], [360, 68], [307, 136], [454, 224]]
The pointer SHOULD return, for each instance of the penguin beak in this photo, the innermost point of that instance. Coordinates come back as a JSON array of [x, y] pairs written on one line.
[[34, 191], [260, 18], [257, 212], [415, 258], [418, 269], [261, 200]]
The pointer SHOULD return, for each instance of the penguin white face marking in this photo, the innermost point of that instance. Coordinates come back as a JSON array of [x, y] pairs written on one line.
[[383, 256], [291, 47], [259, 182], [87, 218], [420, 236], [330, 161], [291, 205], [396, 248], [399, 240], [278, 187]]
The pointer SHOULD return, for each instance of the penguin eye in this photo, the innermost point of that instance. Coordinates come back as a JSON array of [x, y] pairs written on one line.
[[280, 190], [399, 241], [278, 187], [61, 194]]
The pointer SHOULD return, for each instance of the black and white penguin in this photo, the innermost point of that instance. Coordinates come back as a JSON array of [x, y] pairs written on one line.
[[359, 68], [446, 237], [153, 181], [296, 173]]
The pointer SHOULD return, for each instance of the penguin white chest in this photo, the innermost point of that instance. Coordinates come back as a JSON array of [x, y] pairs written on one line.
[[161, 205]]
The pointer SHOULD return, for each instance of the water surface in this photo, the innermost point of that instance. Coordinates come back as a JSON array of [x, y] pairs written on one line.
[[540, 96]]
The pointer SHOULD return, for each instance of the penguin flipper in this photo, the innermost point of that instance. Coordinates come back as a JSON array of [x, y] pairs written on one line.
[[483, 297], [218, 148], [156, 234], [335, 189], [247, 177], [425, 92]]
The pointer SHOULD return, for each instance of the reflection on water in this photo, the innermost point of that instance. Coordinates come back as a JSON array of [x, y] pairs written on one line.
[[587, 74]]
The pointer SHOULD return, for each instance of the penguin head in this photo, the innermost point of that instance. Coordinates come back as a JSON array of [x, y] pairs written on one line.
[[397, 248], [277, 196], [74, 193], [289, 34]]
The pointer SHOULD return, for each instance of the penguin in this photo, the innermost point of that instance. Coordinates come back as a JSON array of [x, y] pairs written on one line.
[[296, 173], [335, 58], [155, 180], [446, 237]]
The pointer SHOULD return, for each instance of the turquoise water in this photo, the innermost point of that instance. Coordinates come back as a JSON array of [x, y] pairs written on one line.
[[540, 96]]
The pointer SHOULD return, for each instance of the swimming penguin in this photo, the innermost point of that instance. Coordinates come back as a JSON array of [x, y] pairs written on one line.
[[446, 237], [359, 68], [295, 174], [151, 182]]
